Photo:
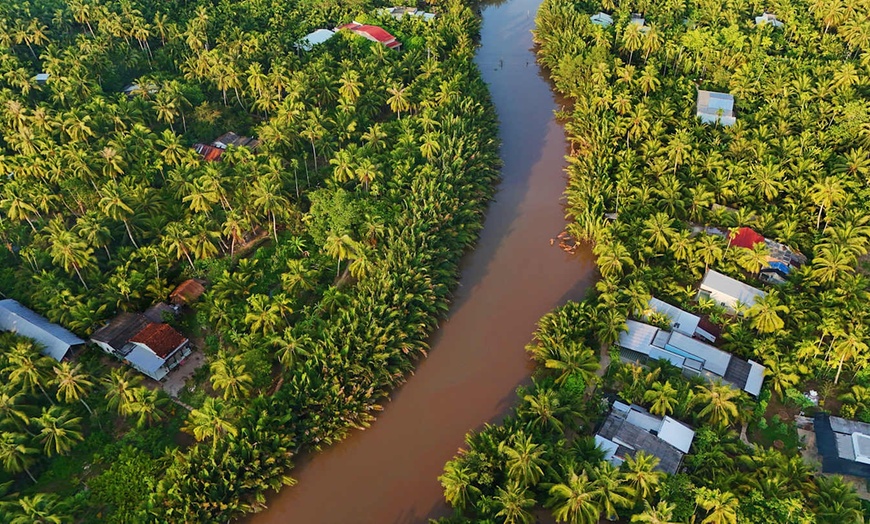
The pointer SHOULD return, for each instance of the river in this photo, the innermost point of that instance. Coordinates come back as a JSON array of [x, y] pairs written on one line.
[[388, 473]]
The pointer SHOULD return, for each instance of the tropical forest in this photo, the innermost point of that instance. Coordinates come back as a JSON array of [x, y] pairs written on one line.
[[329, 244], [662, 191]]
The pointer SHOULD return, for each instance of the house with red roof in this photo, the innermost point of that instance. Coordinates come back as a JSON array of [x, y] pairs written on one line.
[[152, 348], [745, 238], [212, 152], [373, 33]]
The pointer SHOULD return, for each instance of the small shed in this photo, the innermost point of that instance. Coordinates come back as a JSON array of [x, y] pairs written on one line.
[[42, 78], [602, 19], [187, 292], [716, 108], [767, 18], [55, 340]]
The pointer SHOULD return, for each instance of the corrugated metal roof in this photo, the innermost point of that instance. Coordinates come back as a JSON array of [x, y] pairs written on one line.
[[680, 320], [314, 38], [755, 378], [146, 362], [730, 290], [714, 359], [639, 337], [677, 434], [55, 340], [120, 330], [745, 238]]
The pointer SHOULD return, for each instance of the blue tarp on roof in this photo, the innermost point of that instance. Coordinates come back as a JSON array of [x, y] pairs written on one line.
[[781, 267]]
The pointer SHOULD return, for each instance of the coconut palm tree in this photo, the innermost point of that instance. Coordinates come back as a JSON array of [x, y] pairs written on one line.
[[212, 421], [662, 513], [146, 405], [662, 398], [514, 503], [720, 505], [524, 459], [15, 454], [573, 359], [58, 430], [458, 484], [228, 374], [613, 491], [28, 368], [42, 508], [119, 385], [341, 248], [836, 501], [544, 410], [13, 410], [718, 401], [576, 500], [72, 384], [640, 474], [764, 314]]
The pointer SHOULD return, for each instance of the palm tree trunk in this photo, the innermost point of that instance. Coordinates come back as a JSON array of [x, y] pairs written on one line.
[[29, 474], [80, 277], [189, 260], [44, 393], [130, 234], [839, 369]]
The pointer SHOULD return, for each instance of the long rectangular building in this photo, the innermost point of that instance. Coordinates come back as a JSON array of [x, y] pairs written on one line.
[[56, 341], [693, 356]]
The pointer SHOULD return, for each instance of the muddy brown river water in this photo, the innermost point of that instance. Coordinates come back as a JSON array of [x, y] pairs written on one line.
[[388, 473]]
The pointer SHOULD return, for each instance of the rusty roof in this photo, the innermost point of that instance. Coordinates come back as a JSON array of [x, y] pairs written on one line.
[[187, 292], [162, 339]]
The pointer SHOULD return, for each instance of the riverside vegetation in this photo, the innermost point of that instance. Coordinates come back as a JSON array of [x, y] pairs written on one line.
[[371, 180], [794, 167]]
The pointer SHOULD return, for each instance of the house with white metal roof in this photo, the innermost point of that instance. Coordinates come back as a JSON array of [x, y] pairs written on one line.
[[56, 341], [683, 321], [642, 342], [768, 18], [602, 19], [314, 38], [629, 429], [728, 292], [716, 108]]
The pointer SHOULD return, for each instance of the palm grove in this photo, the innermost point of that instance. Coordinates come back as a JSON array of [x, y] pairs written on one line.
[[794, 167], [370, 181]]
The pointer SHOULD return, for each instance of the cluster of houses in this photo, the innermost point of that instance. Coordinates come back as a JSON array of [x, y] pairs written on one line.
[[144, 341], [367, 31], [630, 428], [688, 345]]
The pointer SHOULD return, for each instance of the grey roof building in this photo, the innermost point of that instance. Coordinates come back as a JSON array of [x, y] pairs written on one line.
[[694, 357], [56, 341], [844, 445], [629, 429], [716, 108]]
